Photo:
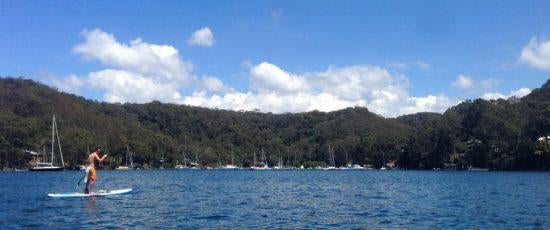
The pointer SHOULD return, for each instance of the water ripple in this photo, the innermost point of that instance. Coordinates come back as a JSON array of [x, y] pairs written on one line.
[[298, 199]]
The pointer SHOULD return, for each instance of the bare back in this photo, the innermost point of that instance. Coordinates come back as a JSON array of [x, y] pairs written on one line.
[[91, 159]]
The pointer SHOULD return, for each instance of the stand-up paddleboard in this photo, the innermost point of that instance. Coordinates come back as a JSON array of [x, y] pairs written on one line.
[[99, 193]]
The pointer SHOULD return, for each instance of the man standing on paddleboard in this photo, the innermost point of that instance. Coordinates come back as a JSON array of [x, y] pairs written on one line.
[[90, 170]]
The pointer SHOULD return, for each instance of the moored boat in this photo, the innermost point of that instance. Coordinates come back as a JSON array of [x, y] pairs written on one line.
[[49, 166]]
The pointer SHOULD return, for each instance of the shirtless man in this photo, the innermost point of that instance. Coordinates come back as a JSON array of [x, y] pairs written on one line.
[[90, 170]]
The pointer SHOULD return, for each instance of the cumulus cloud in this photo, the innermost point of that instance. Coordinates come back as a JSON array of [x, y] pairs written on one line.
[[214, 84], [275, 90], [141, 72], [159, 60], [202, 37], [268, 78], [124, 86], [522, 92], [463, 82], [70, 84], [519, 93], [137, 72], [536, 54]]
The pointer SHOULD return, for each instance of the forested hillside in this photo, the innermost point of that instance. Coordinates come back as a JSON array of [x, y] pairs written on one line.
[[499, 134]]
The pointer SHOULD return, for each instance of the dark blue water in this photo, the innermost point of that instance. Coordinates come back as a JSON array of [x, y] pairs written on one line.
[[280, 199]]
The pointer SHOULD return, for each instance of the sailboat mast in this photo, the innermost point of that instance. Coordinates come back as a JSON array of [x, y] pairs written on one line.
[[329, 156], [197, 157], [263, 157], [44, 153], [131, 157], [53, 136], [254, 164], [58, 144]]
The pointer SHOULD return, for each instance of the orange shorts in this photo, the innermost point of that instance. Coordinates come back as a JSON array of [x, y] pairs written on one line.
[[91, 174]]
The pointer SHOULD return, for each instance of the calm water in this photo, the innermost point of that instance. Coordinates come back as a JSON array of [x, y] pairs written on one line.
[[281, 200]]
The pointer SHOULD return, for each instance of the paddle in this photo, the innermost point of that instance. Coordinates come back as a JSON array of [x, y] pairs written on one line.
[[79, 181]]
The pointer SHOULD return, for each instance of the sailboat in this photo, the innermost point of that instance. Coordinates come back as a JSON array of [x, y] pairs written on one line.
[[232, 165], [264, 162], [349, 164], [49, 166], [184, 165], [279, 163], [332, 163], [125, 167], [161, 162], [195, 165]]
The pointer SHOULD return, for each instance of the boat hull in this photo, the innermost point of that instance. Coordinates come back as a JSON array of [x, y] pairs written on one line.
[[46, 169]]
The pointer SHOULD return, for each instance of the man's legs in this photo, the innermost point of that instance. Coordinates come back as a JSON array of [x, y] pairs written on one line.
[[92, 183]]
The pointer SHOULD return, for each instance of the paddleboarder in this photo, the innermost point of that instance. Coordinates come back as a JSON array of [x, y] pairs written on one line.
[[90, 170]]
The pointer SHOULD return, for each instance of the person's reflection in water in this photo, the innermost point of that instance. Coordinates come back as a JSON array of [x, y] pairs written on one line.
[[91, 204]]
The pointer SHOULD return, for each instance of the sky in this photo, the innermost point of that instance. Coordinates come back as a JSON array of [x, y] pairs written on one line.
[[393, 57]]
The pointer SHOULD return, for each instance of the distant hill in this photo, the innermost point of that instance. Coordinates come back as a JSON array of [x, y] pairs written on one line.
[[497, 134]]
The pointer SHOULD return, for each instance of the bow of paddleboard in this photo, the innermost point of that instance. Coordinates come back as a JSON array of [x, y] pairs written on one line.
[[100, 193]]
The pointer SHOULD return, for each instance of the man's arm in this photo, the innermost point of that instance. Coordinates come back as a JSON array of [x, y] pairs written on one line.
[[100, 159]]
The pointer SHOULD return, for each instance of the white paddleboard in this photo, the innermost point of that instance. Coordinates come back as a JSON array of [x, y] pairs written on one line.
[[100, 193]]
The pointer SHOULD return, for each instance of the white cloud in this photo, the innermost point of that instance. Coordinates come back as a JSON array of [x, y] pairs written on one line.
[[202, 37], [519, 93], [70, 84], [137, 72], [493, 96], [275, 90], [536, 54], [125, 86], [142, 72], [522, 92], [214, 84], [267, 78], [463, 82], [423, 65], [159, 60]]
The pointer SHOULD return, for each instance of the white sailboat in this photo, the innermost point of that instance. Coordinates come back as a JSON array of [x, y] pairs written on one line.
[[279, 163], [49, 166], [184, 165], [125, 166], [332, 163], [264, 166], [349, 163], [232, 165]]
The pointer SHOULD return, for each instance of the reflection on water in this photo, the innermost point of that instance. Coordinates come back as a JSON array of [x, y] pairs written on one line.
[[281, 199], [91, 204]]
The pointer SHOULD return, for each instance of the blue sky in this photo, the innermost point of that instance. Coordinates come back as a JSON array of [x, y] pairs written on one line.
[[282, 56]]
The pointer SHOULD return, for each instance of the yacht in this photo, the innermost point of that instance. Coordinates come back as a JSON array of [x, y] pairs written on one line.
[[230, 166], [332, 165], [264, 165], [49, 166], [125, 167]]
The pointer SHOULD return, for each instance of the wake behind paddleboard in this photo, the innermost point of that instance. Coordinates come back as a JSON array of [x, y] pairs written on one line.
[[100, 193]]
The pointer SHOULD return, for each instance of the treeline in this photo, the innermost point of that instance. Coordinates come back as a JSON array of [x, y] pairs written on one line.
[[498, 134]]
